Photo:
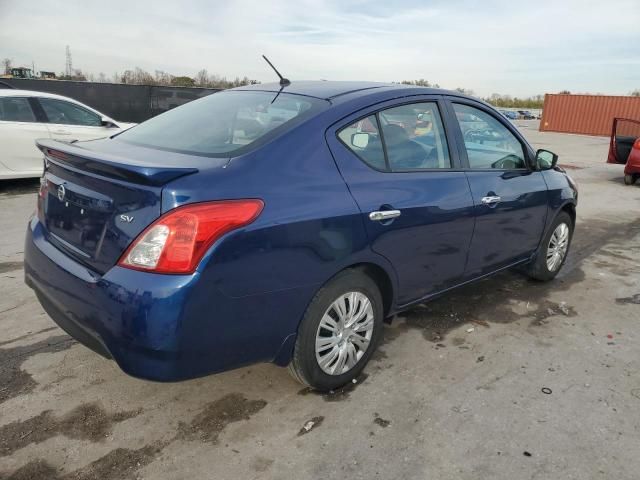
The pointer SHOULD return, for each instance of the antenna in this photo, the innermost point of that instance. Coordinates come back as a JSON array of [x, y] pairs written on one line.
[[283, 81]]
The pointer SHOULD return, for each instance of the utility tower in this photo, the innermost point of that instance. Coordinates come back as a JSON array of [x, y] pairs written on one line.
[[69, 66]]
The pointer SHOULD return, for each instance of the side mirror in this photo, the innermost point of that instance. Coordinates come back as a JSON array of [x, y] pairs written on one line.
[[546, 160], [106, 122], [360, 140]]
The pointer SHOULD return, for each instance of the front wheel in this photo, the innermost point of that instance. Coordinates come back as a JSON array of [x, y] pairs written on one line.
[[553, 249], [339, 332], [630, 179]]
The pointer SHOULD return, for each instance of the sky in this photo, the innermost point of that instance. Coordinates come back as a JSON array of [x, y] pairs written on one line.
[[514, 47]]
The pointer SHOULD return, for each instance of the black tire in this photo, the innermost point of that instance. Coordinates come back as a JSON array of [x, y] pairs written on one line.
[[538, 269], [630, 179], [304, 366]]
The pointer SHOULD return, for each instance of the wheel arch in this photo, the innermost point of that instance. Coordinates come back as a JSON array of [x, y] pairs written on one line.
[[570, 208]]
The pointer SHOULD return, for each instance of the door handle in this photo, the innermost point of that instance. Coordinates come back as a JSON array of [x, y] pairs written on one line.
[[491, 200], [382, 215]]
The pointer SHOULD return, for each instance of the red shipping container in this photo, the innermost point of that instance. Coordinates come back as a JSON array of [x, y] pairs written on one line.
[[586, 114]]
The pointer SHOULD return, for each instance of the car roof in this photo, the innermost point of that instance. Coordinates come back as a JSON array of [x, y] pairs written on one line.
[[331, 90], [11, 92]]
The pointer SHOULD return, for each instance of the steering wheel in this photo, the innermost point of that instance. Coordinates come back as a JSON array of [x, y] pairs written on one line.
[[508, 163], [473, 136]]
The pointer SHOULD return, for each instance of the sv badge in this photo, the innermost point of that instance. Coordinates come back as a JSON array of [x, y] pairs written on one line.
[[126, 218]]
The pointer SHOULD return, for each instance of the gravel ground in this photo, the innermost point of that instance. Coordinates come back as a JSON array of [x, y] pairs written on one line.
[[455, 392]]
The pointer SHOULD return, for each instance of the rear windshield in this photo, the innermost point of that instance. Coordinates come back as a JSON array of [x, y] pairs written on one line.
[[223, 124]]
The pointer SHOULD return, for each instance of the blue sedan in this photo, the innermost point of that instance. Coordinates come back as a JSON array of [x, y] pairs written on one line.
[[285, 224]]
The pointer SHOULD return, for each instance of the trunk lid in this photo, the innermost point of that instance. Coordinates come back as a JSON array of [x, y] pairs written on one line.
[[97, 196]]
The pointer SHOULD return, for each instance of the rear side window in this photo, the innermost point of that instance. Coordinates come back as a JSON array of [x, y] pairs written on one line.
[[223, 124], [489, 144], [67, 113], [363, 139], [16, 109], [412, 137]]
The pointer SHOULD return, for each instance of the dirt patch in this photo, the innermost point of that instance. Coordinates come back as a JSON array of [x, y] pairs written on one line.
[[378, 420], [339, 394], [208, 424], [35, 469], [504, 298], [632, 300], [13, 380], [119, 464], [261, 464], [10, 266], [86, 422]]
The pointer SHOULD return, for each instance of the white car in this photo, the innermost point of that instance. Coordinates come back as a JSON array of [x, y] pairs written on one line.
[[26, 116]]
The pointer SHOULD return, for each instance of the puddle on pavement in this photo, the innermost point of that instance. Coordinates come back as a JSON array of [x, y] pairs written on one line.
[[13, 380], [215, 416], [85, 422]]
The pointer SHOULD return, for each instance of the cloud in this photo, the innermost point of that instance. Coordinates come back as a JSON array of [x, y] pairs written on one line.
[[491, 46]]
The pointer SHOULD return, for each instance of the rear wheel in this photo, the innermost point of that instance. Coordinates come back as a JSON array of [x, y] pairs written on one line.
[[553, 249], [630, 179], [339, 332]]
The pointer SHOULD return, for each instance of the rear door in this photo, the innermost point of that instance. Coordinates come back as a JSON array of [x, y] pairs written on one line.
[[68, 121], [415, 201], [510, 198], [20, 126]]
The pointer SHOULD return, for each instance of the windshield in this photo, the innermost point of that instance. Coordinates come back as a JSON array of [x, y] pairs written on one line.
[[223, 124]]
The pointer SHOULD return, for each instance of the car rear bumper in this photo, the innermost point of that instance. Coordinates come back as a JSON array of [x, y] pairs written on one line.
[[160, 327]]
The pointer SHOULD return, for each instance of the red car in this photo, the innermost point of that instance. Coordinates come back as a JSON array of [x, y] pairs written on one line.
[[625, 147]]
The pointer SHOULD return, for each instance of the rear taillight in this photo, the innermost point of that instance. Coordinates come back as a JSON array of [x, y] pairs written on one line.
[[636, 144], [177, 241]]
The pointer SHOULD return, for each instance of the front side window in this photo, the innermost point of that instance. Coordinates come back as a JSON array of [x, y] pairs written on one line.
[[489, 144], [223, 123], [67, 113], [414, 137], [16, 109]]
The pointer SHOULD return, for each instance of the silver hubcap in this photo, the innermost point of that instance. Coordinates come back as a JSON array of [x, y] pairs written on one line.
[[558, 245], [344, 333]]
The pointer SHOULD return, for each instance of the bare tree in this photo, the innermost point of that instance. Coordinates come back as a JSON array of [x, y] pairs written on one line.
[[162, 78], [6, 63], [465, 91], [202, 78]]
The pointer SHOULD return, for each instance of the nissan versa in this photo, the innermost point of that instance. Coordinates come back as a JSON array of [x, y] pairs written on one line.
[[285, 223]]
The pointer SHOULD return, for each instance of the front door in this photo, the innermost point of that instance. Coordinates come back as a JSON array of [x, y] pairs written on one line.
[[68, 121], [510, 198], [416, 207]]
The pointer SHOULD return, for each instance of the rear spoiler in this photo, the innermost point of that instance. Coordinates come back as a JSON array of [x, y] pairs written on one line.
[[108, 165]]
